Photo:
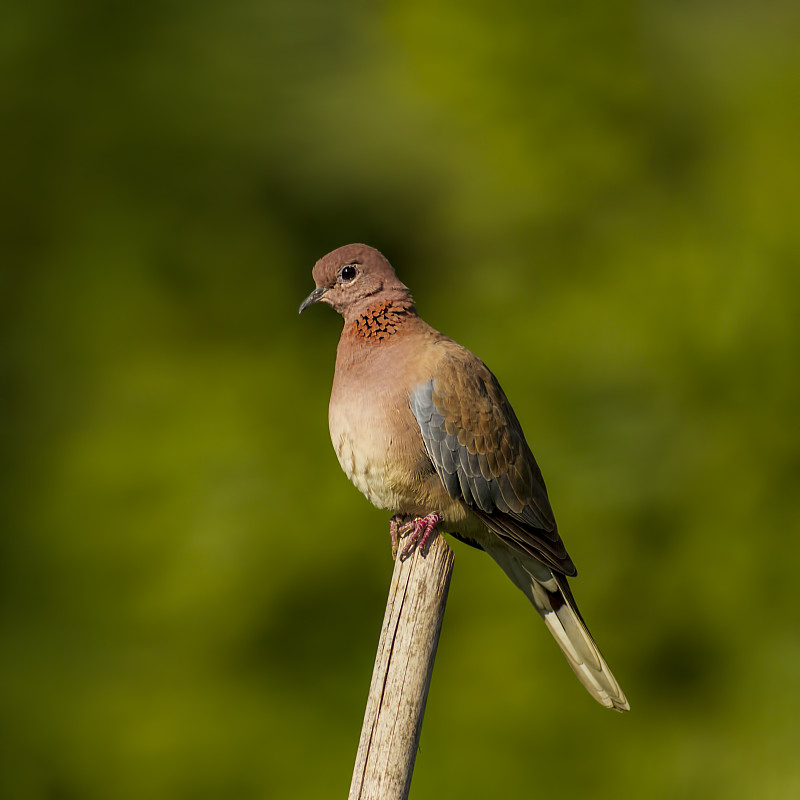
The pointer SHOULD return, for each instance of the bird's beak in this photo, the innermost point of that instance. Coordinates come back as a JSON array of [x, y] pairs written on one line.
[[314, 297]]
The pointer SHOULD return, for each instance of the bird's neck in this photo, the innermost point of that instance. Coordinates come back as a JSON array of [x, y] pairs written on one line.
[[381, 321]]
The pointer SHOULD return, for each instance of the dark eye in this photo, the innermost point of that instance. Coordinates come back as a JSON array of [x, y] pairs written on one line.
[[347, 273]]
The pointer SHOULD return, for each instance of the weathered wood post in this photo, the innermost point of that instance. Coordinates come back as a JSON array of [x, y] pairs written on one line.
[[402, 674]]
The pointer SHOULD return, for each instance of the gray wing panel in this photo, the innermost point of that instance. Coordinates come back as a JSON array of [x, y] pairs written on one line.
[[463, 474]]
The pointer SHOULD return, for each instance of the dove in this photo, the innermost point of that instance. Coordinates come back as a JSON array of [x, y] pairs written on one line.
[[423, 429]]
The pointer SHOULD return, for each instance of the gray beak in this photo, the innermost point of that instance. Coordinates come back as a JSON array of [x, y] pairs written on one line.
[[314, 297]]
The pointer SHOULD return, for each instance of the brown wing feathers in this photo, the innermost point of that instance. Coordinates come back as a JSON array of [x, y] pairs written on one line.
[[478, 449]]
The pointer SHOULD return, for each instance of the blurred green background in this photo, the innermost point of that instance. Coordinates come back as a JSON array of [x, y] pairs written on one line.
[[601, 199]]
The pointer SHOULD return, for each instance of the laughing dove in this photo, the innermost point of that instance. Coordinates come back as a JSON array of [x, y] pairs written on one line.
[[423, 429]]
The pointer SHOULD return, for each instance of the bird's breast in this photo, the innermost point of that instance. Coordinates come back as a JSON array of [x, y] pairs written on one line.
[[366, 446], [381, 450], [375, 436]]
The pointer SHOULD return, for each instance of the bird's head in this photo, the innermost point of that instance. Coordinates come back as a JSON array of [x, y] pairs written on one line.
[[352, 278]]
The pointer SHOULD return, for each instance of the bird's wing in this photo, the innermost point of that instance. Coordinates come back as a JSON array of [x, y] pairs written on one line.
[[479, 451]]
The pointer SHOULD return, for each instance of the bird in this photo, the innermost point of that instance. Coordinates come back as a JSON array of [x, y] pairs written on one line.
[[423, 429]]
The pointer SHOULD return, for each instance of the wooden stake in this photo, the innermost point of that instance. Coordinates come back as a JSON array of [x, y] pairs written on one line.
[[402, 674]]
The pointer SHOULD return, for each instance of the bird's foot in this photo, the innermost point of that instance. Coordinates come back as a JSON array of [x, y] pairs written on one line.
[[419, 530]]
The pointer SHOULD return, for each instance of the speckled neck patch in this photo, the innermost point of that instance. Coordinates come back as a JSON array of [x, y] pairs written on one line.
[[382, 320]]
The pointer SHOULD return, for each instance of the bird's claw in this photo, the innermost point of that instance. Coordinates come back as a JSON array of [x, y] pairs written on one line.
[[419, 531]]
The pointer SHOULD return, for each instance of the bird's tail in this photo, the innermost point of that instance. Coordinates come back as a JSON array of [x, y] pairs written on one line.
[[552, 598]]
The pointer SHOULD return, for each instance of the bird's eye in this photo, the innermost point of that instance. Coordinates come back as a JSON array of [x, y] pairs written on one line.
[[347, 273]]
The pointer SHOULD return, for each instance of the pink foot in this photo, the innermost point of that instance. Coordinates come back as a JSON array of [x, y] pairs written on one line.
[[419, 531]]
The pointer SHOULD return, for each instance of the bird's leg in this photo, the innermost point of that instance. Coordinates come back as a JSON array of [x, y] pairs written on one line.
[[419, 530], [394, 526]]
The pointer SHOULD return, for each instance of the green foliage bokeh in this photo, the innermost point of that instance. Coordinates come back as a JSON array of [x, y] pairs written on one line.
[[600, 199]]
